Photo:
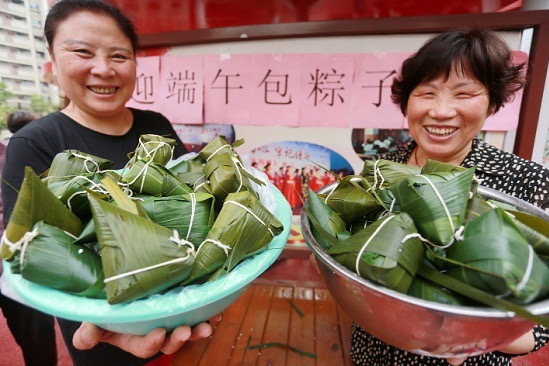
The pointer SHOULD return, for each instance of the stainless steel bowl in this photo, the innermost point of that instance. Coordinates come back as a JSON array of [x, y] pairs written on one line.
[[420, 326]]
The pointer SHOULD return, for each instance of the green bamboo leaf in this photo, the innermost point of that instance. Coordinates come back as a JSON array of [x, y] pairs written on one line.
[[74, 162], [476, 207], [534, 229], [507, 265], [353, 198], [389, 252], [139, 257], [153, 179], [427, 290], [384, 173], [192, 214], [219, 145], [225, 174], [154, 148], [478, 295], [281, 345], [189, 171], [52, 259], [121, 198], [73, 191], [243, 226], [35, 203], [437, 202], [326, 225]]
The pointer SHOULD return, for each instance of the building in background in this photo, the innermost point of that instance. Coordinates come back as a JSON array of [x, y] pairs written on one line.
[[23, 52]]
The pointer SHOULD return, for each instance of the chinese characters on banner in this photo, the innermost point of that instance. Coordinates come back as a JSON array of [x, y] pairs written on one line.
[[295, 90], [372, 91], [181, 91]]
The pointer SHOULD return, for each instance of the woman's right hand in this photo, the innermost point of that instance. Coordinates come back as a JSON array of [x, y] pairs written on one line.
[[157, 340]]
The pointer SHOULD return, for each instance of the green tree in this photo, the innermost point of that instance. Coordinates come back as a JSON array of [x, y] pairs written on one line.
[[42, 106], [5, 109]]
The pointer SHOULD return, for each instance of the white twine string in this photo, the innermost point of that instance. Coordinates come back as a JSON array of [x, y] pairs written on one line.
[[125, 187], [377, 171], [157, 145], [328, 196], [197, 187], [425, 240], [176, 239], [87, 159], [218, 150], [24, 243], [251, 213], [235, 161], [393, 202], [238, 167], [193, 209], [180, 241], [447, 212], [18, 244], [142, 173], [528, 271], [368, 242], [95, 187], [217, 243]]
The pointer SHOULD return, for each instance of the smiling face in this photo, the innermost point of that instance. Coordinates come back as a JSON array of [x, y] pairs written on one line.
[[444, 115], [95, 65]]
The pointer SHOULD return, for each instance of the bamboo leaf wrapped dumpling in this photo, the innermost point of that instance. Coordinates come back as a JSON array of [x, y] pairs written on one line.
[[386, 252], [36, 202], [495, 257], [139, 257], [189, 171], [353, 198], [153, 179], [534, 229], [427, 290], [326, 225], [224, 174], [158, 149], [219, 145], [73, 191], [192, 215], [437, 202], [74, 162], [51, 259], [243, 226], [223, 170], [384, 173]]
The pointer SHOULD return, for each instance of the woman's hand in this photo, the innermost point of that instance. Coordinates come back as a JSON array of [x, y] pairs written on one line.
[[157, 340], [524, 344], [456, 360]]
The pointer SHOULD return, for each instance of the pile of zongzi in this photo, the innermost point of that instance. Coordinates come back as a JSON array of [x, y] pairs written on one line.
[[123, 235], [430, 234]]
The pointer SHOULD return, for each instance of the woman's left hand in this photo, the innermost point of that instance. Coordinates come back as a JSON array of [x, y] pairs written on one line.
[[456, 361], [523, 344], [157, 340]]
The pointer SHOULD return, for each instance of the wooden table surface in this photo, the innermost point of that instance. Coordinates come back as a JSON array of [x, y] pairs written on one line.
[[305, 318], [266, 313]]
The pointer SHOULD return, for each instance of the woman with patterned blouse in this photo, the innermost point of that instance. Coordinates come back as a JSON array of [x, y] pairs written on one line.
[[447, 90]]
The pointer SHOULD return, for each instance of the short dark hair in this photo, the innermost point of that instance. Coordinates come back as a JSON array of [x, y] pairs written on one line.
[[478, 52], [65, 8], [18, 119]]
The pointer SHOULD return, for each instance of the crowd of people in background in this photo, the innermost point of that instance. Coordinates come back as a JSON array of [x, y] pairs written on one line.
[[294, 182]]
